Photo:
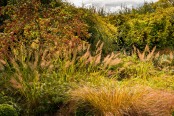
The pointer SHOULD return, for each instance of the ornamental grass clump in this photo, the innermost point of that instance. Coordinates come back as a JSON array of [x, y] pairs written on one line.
[[124, 101], [113, 101]]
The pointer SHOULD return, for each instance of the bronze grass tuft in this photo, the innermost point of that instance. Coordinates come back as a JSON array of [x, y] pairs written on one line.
[[126, 101]]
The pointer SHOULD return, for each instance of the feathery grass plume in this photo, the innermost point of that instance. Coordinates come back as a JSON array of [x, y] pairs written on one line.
[[97, 59], [147, 49], [26, 80], [171, 56], [111, 60], [99, 47], [98, 43], [15, 84], [115, 62], [151, 54], [2, 64], [157, 55], [86, 58], [146, 55], [134, 50], [133, 68], [25, 68], [45, 60], [141, 55], [108, 59]]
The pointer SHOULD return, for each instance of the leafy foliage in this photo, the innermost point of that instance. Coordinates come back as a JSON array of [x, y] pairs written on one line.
[[7, 110], [150, 24]]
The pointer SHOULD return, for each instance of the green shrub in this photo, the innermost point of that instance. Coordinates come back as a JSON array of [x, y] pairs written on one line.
[[7, 110], [101, 29], [44, 27], [152, 29], [7, 99], [150, 24]]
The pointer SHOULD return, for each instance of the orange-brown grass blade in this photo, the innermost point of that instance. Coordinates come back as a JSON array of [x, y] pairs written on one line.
[[117, 101], [130, 101]]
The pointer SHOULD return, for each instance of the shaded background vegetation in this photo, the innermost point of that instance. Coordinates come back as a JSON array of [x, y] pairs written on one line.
[[150, 24]]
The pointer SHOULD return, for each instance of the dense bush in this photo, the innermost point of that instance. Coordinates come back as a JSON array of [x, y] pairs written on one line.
[[101, 29], [38, 24], [154, 29], [150, 24]]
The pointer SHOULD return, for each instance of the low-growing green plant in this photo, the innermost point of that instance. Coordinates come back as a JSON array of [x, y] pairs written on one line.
[[7, 99], [138, 65], [165, 63], [7, 110]]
